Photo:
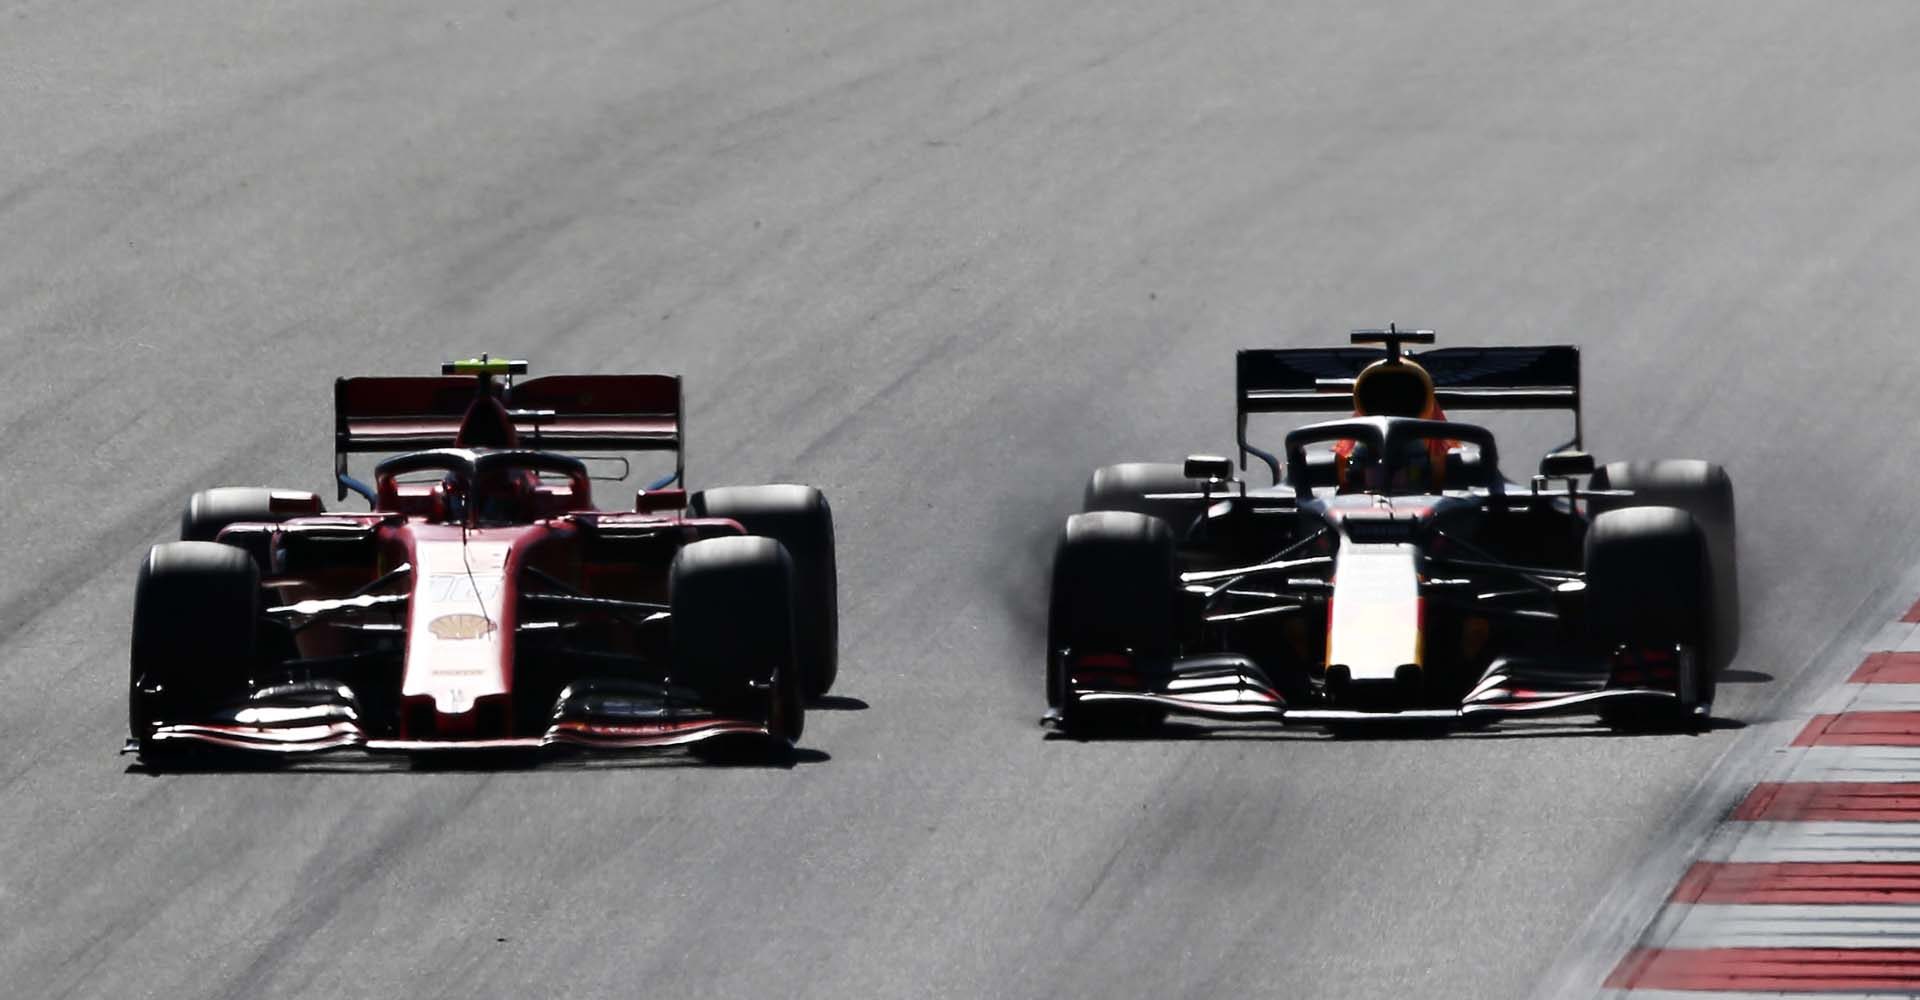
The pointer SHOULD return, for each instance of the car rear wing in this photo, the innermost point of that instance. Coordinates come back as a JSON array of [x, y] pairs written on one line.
[[1320, 380], [568, 413]]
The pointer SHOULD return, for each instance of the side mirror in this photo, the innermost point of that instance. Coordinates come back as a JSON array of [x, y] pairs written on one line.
[[1566, 465], [1209, 468], [655, 501], [295, 503]]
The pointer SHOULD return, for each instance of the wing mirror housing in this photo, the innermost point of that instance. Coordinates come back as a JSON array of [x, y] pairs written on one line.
[[1210, 469], [1566, 465], [655, 501], [295, 503]]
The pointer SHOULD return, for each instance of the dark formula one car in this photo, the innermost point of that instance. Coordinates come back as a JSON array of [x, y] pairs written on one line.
[[484, 603], [1390, 572]]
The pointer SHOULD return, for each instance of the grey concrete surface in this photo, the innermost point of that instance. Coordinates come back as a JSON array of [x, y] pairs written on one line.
[[939, 259]]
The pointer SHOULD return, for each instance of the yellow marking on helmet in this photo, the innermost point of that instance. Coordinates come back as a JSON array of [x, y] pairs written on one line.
[[479, 366]]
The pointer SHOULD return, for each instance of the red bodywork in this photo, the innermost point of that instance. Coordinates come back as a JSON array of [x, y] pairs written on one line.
[[420, 601]]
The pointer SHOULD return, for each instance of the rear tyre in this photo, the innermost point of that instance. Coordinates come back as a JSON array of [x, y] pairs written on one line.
[[1114, 576], [1650, 587], [208, 512], [1128, 486], [797, 517], [196, 614], [1703, 490], [733, 631]]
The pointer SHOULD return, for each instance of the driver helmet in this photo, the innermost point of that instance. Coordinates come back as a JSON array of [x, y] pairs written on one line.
[[504, 497], [1394, 388]]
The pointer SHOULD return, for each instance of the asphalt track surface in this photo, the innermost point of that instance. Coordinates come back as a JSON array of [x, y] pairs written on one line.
[[939, 259]]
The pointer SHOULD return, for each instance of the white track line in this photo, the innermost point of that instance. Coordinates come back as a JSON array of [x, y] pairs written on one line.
[[1814, 841], [1849, 764], [1899, 637], [1870, 698], [1745, 925]]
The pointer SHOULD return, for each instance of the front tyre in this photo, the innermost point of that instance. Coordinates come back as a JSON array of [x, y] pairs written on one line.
[[196, 615], [1704, 490], [733, 631], [1650, 593], [1114, 594], [799, 518]]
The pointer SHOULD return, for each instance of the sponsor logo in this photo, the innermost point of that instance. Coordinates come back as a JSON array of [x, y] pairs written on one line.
[[460, 626]]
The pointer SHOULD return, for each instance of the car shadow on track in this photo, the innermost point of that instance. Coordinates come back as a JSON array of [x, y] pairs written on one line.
[[1185, 732], [491, 763]]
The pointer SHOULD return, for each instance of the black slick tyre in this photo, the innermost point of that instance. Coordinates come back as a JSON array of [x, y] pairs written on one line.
[[1650, 587], [1130, 486], [196, 613], [210, 511], [1114, 592], [733, 631], [1704, 490], [799, 518]]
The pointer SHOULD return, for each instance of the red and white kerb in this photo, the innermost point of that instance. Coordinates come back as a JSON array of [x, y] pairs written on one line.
[[1811, 888]]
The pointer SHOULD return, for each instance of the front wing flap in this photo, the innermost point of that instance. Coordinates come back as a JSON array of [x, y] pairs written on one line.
[[1234, 689], [305, 724]]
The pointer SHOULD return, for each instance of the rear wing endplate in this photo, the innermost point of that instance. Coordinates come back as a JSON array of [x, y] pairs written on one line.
[[1320, 380], [567, 413]]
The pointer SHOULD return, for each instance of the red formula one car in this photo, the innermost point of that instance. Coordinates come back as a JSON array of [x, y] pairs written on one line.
[[484, 602]]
